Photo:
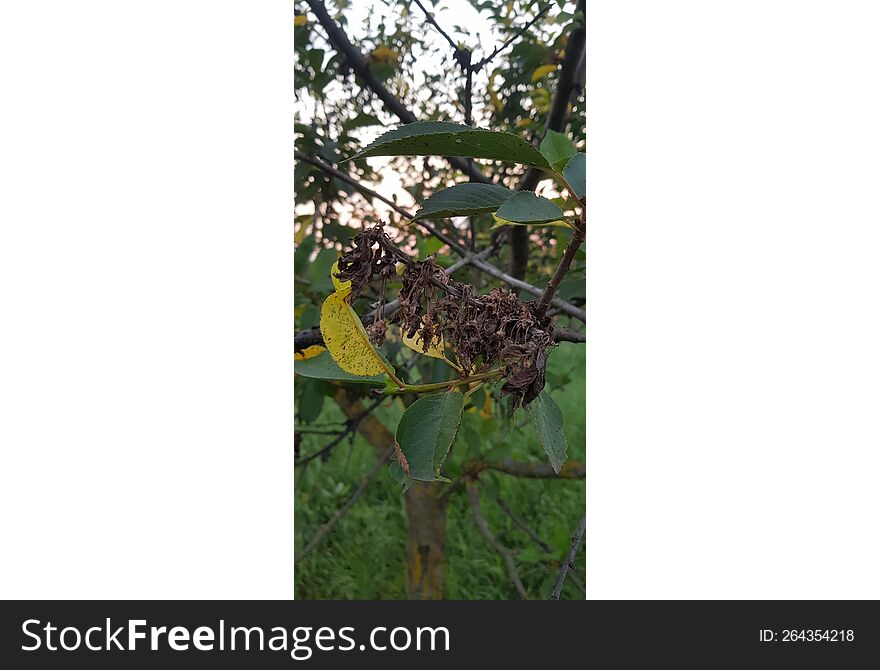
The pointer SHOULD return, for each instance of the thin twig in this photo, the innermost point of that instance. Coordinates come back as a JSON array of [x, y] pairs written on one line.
[[569, 469], [350, 426], [505, 553], [355, 59], [476, 260], [327, 526], [434, 23], [522, 526], [333, 172], [316, 431], [566, 335], [568, 561], [485, 61], [577, 238], [492, 271], [545, 548], [557, 119]]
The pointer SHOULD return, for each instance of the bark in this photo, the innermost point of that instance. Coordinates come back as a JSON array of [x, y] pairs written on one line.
[[570, 80], [425, 512], [426, 537]]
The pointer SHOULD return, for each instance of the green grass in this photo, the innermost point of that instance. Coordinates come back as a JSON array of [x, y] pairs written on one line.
[[364, 555]]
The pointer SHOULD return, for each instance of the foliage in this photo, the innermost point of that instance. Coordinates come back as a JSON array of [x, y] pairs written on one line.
[[462, 354], [364, 556]]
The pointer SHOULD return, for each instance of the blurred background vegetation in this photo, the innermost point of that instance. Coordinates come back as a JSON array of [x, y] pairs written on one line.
[[364, 555]]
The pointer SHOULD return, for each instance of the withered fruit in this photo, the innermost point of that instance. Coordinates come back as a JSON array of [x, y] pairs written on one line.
[[481, 330]]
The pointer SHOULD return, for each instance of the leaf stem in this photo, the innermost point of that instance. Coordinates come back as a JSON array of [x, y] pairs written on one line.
[[562, 181], [439, 386]]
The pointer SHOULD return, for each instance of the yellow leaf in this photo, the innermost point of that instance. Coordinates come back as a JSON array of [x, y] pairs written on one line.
[[308, 352], [435, 349], [346, 339], [338, 285], [300, 234], [486, 412], [542, 71], [540, 93], [493, 96], [383, 54], [522, 123], [299, 20]]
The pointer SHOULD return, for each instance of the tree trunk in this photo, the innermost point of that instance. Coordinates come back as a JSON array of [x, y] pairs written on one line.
[[426, 536], [425, 512]]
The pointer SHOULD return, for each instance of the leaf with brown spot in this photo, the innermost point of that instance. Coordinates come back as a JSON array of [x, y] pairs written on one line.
[[346, 339]]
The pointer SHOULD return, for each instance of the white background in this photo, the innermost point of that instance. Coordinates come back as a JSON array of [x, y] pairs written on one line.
[[733, 279], [145, 298]]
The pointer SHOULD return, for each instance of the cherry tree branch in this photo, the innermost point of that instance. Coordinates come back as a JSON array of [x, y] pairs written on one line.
[[519, 33], [505, 553], [568, 561], [333, 172], [577, 238], [543, 546], [434, 23], [557, 119], [569, 469], [358, 63], [350, 426], [477, 260]]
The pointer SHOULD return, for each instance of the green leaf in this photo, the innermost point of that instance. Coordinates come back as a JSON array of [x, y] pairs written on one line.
[[311, 400], [526, 207], [301, 255], [426, 431], [547, 419], [315, 57], [437, 138], [463, 200], [361, 119], [557, 149], [429, 245], [319, 270], [575, 173], [323, 366]]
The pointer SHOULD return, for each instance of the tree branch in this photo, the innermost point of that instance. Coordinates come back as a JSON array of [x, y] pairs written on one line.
[[557, 119], [350, 426], [523, 527], [568, 561], [358, 63], [434, 23], [544, 547], [476, 260], [505, 553], [333, 172], [519, 33], [563, 306], [569, 469], [566, 335], [577, 238]]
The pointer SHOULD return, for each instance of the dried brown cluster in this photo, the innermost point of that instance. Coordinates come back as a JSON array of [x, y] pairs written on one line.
[[482, 330], [373, 255]]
